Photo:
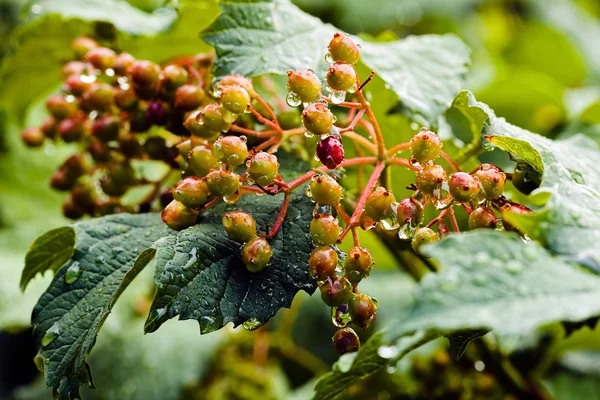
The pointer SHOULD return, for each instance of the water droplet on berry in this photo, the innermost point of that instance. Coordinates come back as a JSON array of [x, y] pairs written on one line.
[[334, 119], [293, 100], [233, 198], [249, 180], [252, 324], [340, 316], [406, 231], [329, 59], [308, 134], [442, 204], [388, 352], [337, 96], [51, 334], [73, 272], [353, 89]]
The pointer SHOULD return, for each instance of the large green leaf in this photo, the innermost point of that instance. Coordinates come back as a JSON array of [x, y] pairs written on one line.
[[257, 37]]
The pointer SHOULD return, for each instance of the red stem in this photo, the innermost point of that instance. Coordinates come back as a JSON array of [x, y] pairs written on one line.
[[403, 162], [263, 120], [357, 117], [450, 161], [281, 216], [453, 220], [353, 161]]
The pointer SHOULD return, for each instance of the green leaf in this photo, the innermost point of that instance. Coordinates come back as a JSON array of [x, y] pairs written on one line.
[[50, 251], [257, 37], [460, 340], [69, 314]]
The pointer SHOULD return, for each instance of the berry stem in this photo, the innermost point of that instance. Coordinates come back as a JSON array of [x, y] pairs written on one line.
[[342, 214], [251, 132], [450, 161], [357, 117], [403, 162], [266, 144], [352, 161], [281, 216], [345, 104], [398, 148], [355, 237], [376, 129], [210, 204], [362, 140], [371, 75], [264, 121], [453, 220], [269, 109]]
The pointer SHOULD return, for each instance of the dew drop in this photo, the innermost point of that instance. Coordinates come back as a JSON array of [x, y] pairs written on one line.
[[514, 267], [51, 334], [406, 231], [353, 89], [40, 362], [192, 260], [252, 324], [337, 96], [390, 224], [308, 134], [243, 138], [208, 324], [73, 272], [233, 198], [87, 78], [388, 352], [340, 316], [293, 100], [328, 59]]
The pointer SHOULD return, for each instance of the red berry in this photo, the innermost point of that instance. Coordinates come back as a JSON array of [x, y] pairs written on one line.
[[106, 128], [330, 151], [482, 217], [60, 107], [144, 74], [33, 137], [430, 178], [126, 99], [192, 192], [122, 63], [322, 263], [346, 340], [74, 85], [409, 211], [239, 80], [363, 310], [98, 97], [492, 180], [71, 129], [73, 68], [189, 97], [101, 57], [343, 48], [173, 76], [82, 45], [71, 210], [463, 187]]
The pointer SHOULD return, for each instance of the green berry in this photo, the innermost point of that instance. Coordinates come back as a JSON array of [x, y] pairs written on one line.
[[345, 340], [101, 57], [304, 85], [325, 190], [111, 188], [194, 124], [177, 216], [138, 121], [106, 128], [482, 217], [71, 129], [126, 99], [289, 119], [324, 229], [317, 118], [214, 117], [33, 137], [409, 211], [98, 97], [524, 180], [235, 98], [343, 48], [239, 80], [430, 178], [423, 236], [492, 180], [189, 97], [425, 146], [342, 77], [358, 264], [173, 76], [322, 263], [129, 145], [60, 107], [122, 63], [192, 192], [363, 310], [379, 204], [263, 168], [256, 254], [202, 161], [122, 173], [463, 187], [144, 74], [232, 150], [111, 206], [156, 148], [223, 183], [239, 226], [82, 45], [336, 290]]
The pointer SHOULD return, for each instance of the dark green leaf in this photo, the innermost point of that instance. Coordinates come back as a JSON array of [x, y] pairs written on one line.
[[460, 340]]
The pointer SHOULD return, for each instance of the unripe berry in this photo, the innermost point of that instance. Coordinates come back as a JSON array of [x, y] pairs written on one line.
[[101, 57], [304, 85], [75, 86], [345, 340], [263, 168], [82, 45], [463, 187], [322, 263], [336, 290], [223, 183], [342, 77], [144, 74], [194, 124], [111, 188], [430, 178], [379, 204], [59, 107], [33, 137], [358, 264], [325, 190], [75, 165], [106, 128], [363, 310], [99, 97], [425, 146], [156, 148], [122, 173], [70, 129], [409, 211], [324, 229], [289, 119], [239, 226], [126, 99], [232, 150], [482, 217], [177, 216], [235, 98], [239, 80], [256, 254], [99, 151], [71, 210], [73, 68], [122, 63], [317, 118], [129, 145], [524, 180], [202, 161], [330, 151], [173, 76], [423, 236], [492, 180], [214, 118], [192, 192], [189, 97], [343, 48]]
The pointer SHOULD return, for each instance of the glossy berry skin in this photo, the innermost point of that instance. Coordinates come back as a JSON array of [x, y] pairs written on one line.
[[379, 204], [341, 76], [177, 216], [325, 190], [70, 129], [214, 118], [324, 230], [126, 99], [263, 168], [336, 290], [192, 192], [202, 161], [330, 151], [305, 85], [343, 48], [463, 187], [122, 63], [82, 45], [430, 178], [106, 128], [322, 263], [235, 98], [239, 80], [256, 254], [194, 124], [524, 181], [358, 264], [409, 211], [345, 340], [189, 97], [482, 217], [317, 118], [99, 97], [424, 236], [111, 188], [362, 310], [492, 180], [232, 150], [101, 57], [59, 107], [425, 146], [33, 137], [144, 74], [239, 226], [223, 183], [173, 76]]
